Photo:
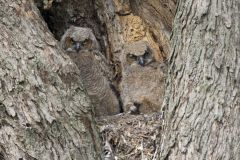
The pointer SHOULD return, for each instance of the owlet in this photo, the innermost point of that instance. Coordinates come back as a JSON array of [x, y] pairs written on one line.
[[82, 47]]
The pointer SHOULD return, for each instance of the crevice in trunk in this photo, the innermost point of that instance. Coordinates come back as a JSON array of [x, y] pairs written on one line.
[[60, 15], [2, 156]]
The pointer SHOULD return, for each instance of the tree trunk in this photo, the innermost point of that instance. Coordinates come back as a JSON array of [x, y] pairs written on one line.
[[203, 94], [44, 111]]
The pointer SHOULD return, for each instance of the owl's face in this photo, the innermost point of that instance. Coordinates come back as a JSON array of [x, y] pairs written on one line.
[[139, 52], [77, 38], [72, 45]]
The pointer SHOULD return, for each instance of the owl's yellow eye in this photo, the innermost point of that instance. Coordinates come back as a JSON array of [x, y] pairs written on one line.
[[84, 43], [69, 42], [87, 44]]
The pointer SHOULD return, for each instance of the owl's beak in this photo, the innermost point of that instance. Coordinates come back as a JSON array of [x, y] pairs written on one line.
[[141, 61], [77, 46]]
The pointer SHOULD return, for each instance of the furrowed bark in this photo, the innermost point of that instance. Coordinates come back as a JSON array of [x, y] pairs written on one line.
[[44, 111], [202, 99]]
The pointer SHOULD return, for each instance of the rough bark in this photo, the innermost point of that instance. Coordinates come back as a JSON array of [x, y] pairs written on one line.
[[44, 111], [158, 14], [203, 92]]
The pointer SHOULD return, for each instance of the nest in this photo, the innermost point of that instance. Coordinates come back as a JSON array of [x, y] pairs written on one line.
[[131, 137]]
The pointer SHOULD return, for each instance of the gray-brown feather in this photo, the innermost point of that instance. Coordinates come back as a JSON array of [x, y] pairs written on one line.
[[92, 66]]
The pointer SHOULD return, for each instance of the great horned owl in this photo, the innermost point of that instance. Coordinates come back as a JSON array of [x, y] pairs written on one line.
[[82, 47], [142, 78]]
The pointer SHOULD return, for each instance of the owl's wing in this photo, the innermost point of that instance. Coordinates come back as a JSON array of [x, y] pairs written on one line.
[[105, 67]]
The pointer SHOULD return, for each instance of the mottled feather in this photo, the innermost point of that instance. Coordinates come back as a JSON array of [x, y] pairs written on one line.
[[93, 67]]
